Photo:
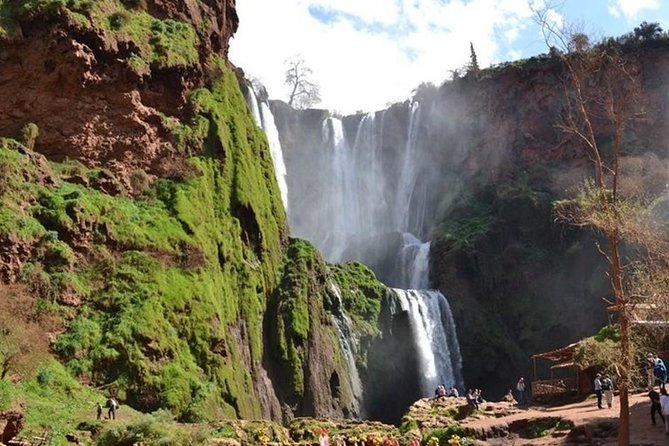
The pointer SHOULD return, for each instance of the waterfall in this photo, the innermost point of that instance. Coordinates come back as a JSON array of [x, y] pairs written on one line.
[[265, 119], [367, 201], [414, 258], [407, 171], [434, 340], [252, 101], [349, 347], [276, 152]]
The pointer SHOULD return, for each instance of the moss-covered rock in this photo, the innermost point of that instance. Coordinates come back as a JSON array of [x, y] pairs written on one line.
[[174, 284], [304, 339]]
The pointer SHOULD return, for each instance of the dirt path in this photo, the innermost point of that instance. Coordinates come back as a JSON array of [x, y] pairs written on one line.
[[583, 413]]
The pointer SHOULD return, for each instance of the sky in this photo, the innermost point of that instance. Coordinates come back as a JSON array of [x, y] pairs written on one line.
[[366, 54]]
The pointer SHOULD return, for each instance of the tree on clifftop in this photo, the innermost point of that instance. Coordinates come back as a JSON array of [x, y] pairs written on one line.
[[473, 66], [303, 92]]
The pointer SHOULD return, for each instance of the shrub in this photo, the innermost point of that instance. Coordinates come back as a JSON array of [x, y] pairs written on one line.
[[118, 20], [29, 134], [446, 433], [155, 429], [136, 4], [139, 181]]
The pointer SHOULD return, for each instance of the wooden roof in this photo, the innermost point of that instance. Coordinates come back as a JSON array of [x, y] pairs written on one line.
[[563, 354]]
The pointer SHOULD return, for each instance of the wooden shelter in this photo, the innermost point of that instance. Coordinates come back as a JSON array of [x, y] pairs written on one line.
[[573, 380]]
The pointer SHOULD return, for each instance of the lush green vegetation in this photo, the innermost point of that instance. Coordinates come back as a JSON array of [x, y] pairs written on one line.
[[163, 297], [55, 402], [306, 296], [361, 295], [165, 279], [543, 427], [600, 351], [445, 434]]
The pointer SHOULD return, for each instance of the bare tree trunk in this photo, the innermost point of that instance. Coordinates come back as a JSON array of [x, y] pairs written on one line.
[[615, 272]]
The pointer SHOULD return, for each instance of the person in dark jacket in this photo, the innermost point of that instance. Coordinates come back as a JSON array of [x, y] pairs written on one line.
[[654, 405]]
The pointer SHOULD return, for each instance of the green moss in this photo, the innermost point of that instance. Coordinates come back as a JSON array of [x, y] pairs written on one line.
[[471, 220], [290, 329], [305, 298], [174, 285], [361, 292], [57, 403], [165, 43]]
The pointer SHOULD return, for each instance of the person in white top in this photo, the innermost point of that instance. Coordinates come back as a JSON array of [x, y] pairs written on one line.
[[664, 402], [597, 384]]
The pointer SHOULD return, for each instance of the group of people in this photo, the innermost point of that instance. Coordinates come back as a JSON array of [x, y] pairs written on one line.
[[442, 392], [659, 402], [656, 370], [474, 398], [111, 405], [603, 388]]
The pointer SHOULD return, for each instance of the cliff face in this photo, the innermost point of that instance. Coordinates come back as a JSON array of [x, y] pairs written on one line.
[[138, 203], [131, 65], [489, 163]]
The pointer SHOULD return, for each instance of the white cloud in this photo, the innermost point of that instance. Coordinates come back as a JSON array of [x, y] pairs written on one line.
[[555, 19], [614, 11], [383, 11], [361, 68], [630, 8]]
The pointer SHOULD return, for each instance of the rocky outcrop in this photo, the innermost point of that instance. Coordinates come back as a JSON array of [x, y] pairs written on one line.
[[107, 83], [11, 423]]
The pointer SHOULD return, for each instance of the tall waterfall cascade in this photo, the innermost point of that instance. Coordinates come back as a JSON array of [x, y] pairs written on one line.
[[265, 119], [369, 200]]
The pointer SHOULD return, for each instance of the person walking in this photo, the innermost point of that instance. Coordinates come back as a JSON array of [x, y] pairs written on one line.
[[98, 409], [654, 405], [664, 402], [522, 389], [112, 405], [660, 371], [598, 390], [607, 388], [650, 365]]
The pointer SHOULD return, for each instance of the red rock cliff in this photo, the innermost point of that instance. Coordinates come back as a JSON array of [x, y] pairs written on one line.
[[102, 82]]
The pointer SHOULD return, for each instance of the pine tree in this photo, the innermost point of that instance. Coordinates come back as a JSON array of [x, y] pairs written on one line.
[[473, 63]]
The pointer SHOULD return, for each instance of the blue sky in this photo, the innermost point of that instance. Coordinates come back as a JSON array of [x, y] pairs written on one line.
[[367, 53]]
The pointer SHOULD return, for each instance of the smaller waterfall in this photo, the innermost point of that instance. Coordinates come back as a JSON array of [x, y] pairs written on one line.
[[269, 126], [415, 256], [439, 360], [265, 120], [407, 178], [349, 346], [252, 102]]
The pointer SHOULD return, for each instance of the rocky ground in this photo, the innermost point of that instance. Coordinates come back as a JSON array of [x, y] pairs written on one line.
[[576, 423]]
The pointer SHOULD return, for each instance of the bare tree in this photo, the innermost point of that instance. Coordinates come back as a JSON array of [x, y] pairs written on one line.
[[601, 90], [303, 92]]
